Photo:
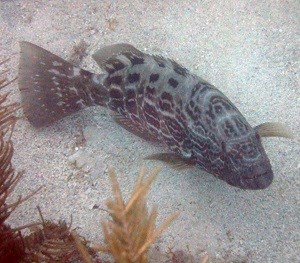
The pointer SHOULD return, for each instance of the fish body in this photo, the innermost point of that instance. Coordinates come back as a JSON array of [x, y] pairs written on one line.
[[155, 98]]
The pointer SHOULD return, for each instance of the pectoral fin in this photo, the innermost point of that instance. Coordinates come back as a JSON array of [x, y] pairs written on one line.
[[273, 129], [173, 160]]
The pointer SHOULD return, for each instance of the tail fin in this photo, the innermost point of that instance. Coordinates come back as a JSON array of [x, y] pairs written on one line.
[[51, 88]]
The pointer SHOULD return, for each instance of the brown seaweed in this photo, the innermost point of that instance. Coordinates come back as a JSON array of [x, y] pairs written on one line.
[[131, 231], [11, 243], [55, 242]]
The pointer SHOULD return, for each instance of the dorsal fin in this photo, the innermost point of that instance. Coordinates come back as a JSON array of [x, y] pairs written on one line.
[[105, 53], [274, 129]]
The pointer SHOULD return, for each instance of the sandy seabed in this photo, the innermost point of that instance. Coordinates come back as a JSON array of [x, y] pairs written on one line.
[[248, 49]]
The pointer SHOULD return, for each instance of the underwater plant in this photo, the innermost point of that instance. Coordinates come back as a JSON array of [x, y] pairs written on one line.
[[131, 231], [55, 242], [11, 245]]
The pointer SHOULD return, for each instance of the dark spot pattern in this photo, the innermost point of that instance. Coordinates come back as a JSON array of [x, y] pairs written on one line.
[[154, 77], [167, 96], [130, 94], [115, 94], [229, 129], [118, 65], [241, 126], [150, 92], [116, 80], [198, 89], [166, 106], [110, 70], [134, 59], [191, 113], [179, 69], [173, 83], [113, 65], [160, 61], [216, 100], [210, 112], [134, 77]]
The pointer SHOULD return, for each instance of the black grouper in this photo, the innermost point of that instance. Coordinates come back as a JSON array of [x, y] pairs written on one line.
[[156, 99]]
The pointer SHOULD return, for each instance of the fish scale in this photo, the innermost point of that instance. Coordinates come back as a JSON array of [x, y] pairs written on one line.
[[156, 99]]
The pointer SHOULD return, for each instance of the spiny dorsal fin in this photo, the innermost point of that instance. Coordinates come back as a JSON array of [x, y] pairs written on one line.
[[104, 54], [173, 160], [274, 129]]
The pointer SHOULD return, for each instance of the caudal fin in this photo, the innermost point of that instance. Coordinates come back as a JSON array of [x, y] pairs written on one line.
[[51, 88]]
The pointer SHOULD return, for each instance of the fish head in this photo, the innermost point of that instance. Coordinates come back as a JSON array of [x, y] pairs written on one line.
[[247, 164]]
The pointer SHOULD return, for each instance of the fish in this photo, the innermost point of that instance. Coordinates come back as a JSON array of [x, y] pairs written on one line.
[[158, 100]]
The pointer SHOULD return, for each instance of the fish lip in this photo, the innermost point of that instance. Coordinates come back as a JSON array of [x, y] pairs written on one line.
[[257, 182]]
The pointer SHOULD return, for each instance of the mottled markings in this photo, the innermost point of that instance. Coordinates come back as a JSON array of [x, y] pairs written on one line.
[[134, 59], [150, 92], [135, 118], [116, 80], [116, 105], [133, 77], [221, 102], [131, 106], [218, 109], [151, 115], [150, 109], [242, 127], [130, 94], [152, 122], [229, 129], [167, 96], [115, 94], [166, 106], [154, 77], [210, 113], [179, 69], [175, 128], [110, 69], [118, 65], [199, 88], [191, 113], [160, 61]]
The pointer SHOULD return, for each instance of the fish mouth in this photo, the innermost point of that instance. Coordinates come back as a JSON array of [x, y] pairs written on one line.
[[257, 182]]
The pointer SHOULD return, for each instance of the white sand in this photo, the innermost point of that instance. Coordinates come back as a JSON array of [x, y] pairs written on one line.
[[249, 49]]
